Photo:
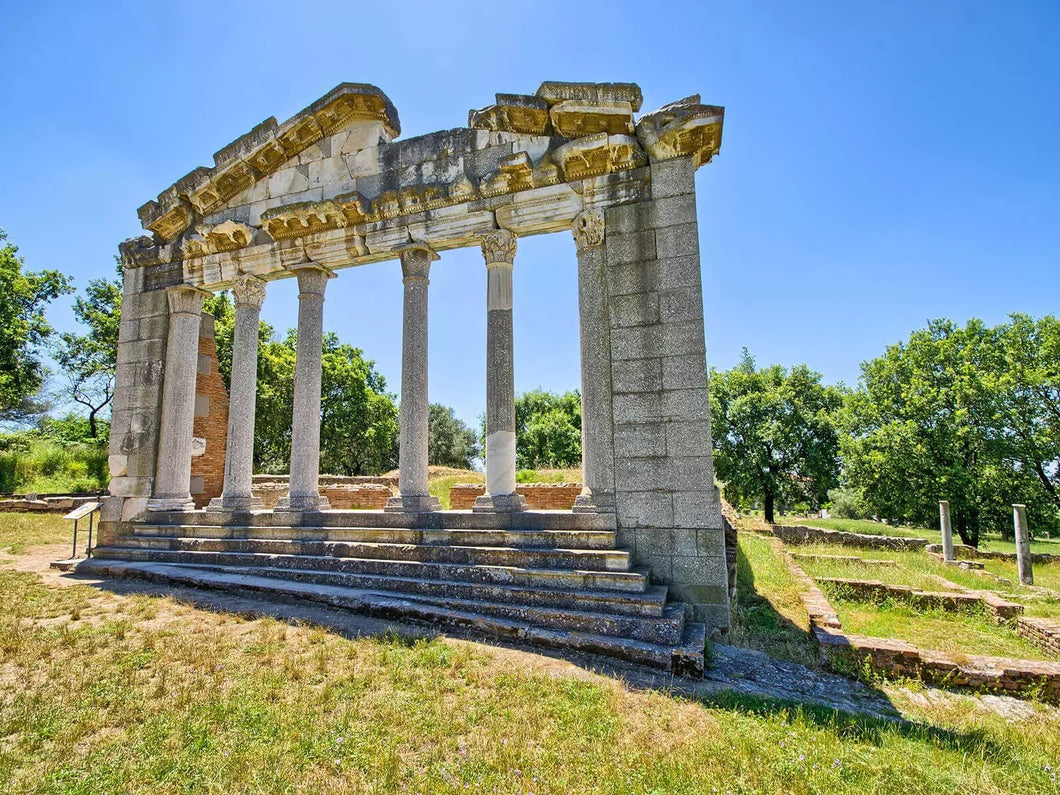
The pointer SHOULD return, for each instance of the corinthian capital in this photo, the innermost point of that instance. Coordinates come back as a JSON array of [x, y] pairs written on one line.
[[588, 229], [249, 290], [498, 246]]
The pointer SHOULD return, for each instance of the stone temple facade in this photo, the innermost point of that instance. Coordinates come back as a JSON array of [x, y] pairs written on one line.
[[637, 570]]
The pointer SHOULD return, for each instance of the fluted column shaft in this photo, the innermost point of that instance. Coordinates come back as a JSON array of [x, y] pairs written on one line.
[[249, 294], [304, 492], [172, 487], [498, 249], [416, 262], [598, 447]]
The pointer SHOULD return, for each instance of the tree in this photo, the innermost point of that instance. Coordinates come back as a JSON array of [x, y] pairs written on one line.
[[358, 432], [548, 429], [450, 442], [89, 359], [961, 414], [774, 434], [23, 331]]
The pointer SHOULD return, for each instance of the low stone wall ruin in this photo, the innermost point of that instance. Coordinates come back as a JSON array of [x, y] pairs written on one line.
[[801, 534], [1042, 632], [965, 552], [54, 504], [873, 590], [539, 496]]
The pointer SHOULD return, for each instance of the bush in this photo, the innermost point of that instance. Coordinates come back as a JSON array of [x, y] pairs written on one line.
[[848, 503], [31, 463]]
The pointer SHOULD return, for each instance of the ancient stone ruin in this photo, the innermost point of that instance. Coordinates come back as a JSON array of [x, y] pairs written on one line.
[[637, 569]]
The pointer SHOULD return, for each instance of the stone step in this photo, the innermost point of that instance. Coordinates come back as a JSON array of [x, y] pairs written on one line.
[[544, 539], [649, 604], [684, 658], [634, 581], [582, 559], [666, 628]]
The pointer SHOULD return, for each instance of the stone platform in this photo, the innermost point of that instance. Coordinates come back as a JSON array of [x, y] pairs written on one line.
[[552, 578]]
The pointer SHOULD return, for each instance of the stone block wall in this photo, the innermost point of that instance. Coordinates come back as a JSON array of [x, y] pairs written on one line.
[[211, 421], [801, 534], [668, 509], [539, 496]]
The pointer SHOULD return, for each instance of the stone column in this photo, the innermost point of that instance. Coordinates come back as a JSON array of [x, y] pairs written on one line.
[[304, 494], [598, 446], [249, 293], [498, 249], [416, 262], [1023, 545], [947, 530], [172, 487]]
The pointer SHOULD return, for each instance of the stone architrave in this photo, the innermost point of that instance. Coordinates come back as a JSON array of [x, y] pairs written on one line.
[[236, 495], [1023, 545], [598, 448], [413, 413], [947, 530], [172, 490], [498, 249], [305, 423]]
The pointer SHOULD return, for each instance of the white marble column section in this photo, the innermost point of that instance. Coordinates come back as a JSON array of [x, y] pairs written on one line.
[[1024, 563], [304, 493], [947, 530], [598, 448], [416, 262], [498, 249], [172, 487], [249, 294]]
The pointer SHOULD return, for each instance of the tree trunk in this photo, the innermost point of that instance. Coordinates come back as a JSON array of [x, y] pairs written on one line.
[[767, 503], [968, 531], [93, 431]]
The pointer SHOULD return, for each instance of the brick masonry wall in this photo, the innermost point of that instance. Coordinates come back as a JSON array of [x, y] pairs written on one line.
[[211, 421], [800, 534], [342, 496], [1042, 632], [539, 496]]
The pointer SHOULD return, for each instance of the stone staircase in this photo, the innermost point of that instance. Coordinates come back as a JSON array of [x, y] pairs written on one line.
[[543, 584]]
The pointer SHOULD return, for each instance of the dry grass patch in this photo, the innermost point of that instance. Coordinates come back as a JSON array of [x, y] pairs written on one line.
[[19, 531]]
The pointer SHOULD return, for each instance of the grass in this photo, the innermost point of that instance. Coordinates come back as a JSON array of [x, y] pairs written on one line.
[[549, 475], [104, 693], [769, 614], [968, 632], [862, 526], [48, 467], [442, 479], [19, 531]]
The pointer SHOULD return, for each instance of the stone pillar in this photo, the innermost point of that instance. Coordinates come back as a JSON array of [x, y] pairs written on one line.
[[1023, 545], [598, 447], [304, 494], [947, 530], [416, 262], [249, 293], [172, 491], [498, 249]]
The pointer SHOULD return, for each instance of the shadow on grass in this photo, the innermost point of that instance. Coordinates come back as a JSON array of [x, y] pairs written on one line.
[[871, 721]]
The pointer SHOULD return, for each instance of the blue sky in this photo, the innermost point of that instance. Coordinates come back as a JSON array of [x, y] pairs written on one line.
[[882, 163]]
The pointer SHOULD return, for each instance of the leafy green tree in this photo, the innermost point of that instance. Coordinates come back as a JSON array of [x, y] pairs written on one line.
[[358, 433], [23, 331], [548, 429], [89, 359], [967, 414], [450, 442], [774, 434]]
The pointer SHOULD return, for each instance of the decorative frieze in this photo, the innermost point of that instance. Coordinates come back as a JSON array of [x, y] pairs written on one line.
[[575, 119], [682, 129], [302, 218], [512, 113], [599, 154]]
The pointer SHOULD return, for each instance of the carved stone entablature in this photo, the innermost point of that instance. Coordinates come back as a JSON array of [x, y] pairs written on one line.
[[553, 92], [138, 252], [218, 189], [410, 200], [575, 119], [302, 218], [300, 135], [356, 207], [512, 113], [599, 154], [514, 173], [681, 129], [226, 236], [170, 223]]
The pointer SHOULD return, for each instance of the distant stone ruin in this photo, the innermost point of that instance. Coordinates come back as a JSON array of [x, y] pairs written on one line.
[[333, 188]]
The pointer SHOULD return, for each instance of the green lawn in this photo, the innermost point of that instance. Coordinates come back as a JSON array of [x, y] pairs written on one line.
[[961, 632], [18, 531], [103, 693]]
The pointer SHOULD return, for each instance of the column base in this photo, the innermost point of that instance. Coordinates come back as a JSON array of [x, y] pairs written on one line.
[[235, 504], [302, 504], [171, 504], [412, 503], [499, 503], [594, 503]]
